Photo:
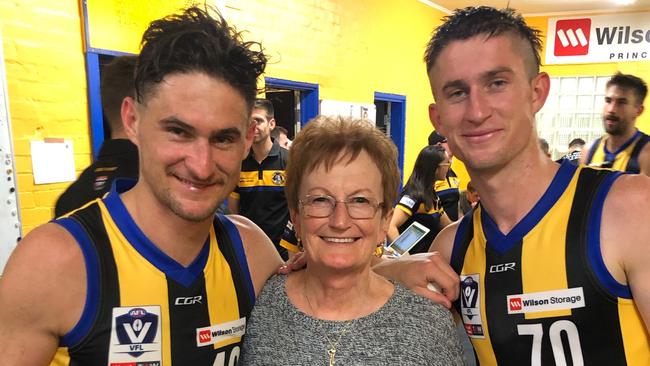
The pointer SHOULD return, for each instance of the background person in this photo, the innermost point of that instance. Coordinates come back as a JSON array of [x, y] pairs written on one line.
[[623, 147], [544, 234], [260, 193], [341, 180], [575, 151], [281, 135], [118, 157], [418, 200], [145, 274], [448, 189], [468, 199]]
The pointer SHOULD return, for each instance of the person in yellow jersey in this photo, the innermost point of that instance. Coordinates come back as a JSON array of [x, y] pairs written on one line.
[[553, 263], [149, 275], [623, 147]]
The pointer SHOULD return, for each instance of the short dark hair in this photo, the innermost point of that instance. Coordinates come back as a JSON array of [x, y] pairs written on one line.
[[627, 81], [116, 84], [275, 133], [466, 23], [436, 138], [577, 142], [266, 105], [193, 41]]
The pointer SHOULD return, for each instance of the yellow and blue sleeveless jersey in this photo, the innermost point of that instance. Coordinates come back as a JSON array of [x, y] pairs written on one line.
[[144, 308], [417, 211], [449, 192], [541, 294], [625, 158]]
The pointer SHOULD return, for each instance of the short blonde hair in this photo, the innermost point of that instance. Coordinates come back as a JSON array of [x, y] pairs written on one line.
[[327, 140]]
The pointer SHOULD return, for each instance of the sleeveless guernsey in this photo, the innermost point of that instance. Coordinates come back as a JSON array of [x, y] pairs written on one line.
[[142, 307], [541, 295]]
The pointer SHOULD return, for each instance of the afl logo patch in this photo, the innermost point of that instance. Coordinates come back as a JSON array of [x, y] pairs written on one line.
[[470, 305], [136, 335], [278, 178]]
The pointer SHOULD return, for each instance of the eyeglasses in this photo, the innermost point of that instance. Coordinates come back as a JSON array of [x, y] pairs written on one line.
[[322, 205]]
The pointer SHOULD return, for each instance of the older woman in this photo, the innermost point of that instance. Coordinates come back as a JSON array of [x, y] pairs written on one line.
[[342, 180]]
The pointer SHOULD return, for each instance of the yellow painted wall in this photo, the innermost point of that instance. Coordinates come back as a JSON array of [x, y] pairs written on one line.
[[46, 84], [350, 48]]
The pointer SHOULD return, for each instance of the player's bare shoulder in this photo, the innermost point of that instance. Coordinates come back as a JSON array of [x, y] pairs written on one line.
[[624, 222], [444, 242], [43, 289], [262, 257]]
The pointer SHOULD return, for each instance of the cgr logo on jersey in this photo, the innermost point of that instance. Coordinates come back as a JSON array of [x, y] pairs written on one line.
[[278, 178], [136, 336], [536, 302], [188, 300], [502, 267], [572, 37], [470, 305]]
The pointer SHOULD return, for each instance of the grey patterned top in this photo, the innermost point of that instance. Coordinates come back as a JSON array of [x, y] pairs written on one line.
[[407, 330]]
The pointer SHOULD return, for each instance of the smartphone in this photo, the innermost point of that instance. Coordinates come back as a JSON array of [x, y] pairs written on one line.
[[408, 238]]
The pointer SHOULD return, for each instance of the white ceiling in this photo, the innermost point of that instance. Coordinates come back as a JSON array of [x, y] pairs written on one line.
[[545, 7]]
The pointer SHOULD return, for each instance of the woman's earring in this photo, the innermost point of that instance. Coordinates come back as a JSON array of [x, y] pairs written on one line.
[[299, 244], [379, 250]]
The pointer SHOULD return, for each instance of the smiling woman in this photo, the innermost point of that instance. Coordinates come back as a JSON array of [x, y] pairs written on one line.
[[342, 180]]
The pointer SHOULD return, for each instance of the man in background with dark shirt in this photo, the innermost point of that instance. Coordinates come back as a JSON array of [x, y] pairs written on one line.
[[118, 157], [260, 193]]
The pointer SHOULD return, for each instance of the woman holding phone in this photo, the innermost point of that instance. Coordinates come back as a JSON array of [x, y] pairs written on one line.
[[418, 201]]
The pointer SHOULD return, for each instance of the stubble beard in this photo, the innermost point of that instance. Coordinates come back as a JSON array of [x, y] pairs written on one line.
[[168, 200]]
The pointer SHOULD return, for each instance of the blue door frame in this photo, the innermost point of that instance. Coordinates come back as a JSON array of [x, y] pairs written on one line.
[[94, 95], [308, 96], [397, 122]]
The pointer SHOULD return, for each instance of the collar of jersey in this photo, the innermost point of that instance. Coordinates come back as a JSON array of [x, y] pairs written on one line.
[[611, 156], [504, 242], [120, 215]]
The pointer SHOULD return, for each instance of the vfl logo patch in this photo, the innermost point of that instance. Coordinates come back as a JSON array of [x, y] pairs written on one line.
[[536, 302], [470, 305], [135, 335], [207, 336], [572, 37], [278, 178]]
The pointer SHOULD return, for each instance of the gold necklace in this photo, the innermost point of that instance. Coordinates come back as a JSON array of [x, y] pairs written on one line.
[[331, 351]]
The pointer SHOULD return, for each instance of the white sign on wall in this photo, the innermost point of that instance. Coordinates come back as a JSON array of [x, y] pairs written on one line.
[[596, 39], [348, 109]]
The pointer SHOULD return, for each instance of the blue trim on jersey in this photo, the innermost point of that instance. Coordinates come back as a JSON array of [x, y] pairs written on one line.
[[147, 249], [594, 254], [611, 156], [91, 260], [260, 189], [238, 246], [444, 192], [502, 243], [462, 226]]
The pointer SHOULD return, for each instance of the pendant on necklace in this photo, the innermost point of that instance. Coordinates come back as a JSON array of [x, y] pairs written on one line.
[[332, 353]]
